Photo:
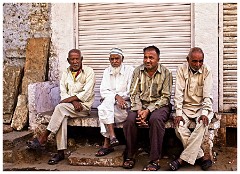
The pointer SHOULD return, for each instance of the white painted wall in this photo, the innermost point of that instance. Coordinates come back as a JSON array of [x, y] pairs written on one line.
[[62, 25], [205, 36]]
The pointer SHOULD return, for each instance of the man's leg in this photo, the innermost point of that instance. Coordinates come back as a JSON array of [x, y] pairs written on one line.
[[157, 130], [130, 130]]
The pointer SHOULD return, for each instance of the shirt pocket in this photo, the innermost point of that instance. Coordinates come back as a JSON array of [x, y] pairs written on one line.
[[199, 91]]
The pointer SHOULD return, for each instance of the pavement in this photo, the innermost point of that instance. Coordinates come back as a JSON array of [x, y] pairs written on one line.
[[225, 160]]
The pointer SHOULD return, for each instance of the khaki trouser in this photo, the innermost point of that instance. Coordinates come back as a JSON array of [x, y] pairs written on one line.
[[192, 141], [58, 122]]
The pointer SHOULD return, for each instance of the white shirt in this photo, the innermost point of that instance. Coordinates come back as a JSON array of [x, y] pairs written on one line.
[[120, 84]]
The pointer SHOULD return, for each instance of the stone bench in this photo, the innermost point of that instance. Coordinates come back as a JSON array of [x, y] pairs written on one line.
[[44, 96], [92, 121]]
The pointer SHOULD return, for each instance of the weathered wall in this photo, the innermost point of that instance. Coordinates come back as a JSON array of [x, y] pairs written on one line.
[[205, 34], [20, 22]]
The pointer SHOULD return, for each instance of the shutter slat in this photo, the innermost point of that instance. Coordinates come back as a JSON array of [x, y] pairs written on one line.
[[131, 27]]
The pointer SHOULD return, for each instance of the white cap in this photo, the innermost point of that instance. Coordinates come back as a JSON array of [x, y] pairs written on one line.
[[116, 51]]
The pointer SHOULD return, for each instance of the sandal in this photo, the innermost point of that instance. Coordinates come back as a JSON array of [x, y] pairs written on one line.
[[104, 151], [174, 165], [152, 166], [129, 163], [114, 142], [55, 159], [34, 144], [206, 164]]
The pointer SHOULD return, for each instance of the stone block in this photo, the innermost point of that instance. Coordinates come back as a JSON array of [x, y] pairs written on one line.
[[36, 61], [11, 81], [42, 97], [85, 156], [20, 116]]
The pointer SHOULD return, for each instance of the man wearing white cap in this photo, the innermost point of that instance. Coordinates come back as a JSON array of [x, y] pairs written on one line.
[[114, 90]]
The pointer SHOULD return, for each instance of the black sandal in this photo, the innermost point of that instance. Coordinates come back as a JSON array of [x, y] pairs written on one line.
[[175, 165], [104, 151], [206, 164], [152, 166], [114, 142], [129, 163], [55, 159], [34, 144]]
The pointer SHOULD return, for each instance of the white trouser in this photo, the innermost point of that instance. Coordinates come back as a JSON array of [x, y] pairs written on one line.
[[110, 113], [192, 141], [58, 122]]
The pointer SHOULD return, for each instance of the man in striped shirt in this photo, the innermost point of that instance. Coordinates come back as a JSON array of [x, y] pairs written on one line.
[[150, 94]]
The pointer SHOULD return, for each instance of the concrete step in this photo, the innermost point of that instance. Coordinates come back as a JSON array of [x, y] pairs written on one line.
[[85, 156]]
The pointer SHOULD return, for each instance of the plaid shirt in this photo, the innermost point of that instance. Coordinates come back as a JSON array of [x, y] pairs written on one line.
[[150, 92]]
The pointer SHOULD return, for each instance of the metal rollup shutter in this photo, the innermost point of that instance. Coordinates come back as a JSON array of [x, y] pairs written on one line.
[[131, 27], [229, 57]]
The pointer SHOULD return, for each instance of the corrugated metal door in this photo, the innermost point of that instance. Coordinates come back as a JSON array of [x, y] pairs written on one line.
[[131, 27], [229, 57]]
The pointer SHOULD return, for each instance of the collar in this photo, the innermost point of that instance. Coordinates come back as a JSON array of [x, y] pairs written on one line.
[[82, 69], [199, 71], [142, 68]]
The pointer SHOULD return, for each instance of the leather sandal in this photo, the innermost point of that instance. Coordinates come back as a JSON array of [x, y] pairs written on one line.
[[114, 142], [206, 164], [35, 144], [152, 166], [55, 159], [129, 163], [174, 165]]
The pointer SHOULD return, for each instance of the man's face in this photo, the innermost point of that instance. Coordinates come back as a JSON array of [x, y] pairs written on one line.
[[115, 60], [195, 61], [75, 61], [150, 60]]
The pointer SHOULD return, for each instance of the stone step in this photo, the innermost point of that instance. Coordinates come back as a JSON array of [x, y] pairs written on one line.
[[14, 146], [16, 139], [85, 156]]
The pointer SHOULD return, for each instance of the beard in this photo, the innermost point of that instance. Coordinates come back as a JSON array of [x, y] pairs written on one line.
[[115, 70]]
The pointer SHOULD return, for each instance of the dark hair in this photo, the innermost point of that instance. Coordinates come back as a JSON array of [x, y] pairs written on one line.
[[193, 50], [152, 47], [74, 51]]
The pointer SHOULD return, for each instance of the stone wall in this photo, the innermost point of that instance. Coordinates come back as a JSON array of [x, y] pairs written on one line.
[[20, 22]]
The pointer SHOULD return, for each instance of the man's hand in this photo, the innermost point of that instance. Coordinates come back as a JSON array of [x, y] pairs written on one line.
[[142, 116], [77, 106], [121, 102], [177, 120], [204, 119]]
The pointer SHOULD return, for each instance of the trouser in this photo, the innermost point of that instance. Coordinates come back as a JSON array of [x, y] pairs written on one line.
[[192, 141], [58, 122], [156, 121], [109, 113]]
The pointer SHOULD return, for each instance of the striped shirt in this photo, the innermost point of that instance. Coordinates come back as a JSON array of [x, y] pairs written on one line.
[[150, 92], [193, 92]]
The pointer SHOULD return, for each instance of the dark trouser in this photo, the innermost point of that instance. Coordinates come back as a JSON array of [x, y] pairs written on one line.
[[157, 121]]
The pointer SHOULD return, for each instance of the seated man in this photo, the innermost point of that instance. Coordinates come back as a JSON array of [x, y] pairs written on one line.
[[150, 95], [193, 101], [77, 96], [114, 90]]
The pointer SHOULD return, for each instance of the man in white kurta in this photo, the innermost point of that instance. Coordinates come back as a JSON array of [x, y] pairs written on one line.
[[114, 90], [77, 96], [193, 100]]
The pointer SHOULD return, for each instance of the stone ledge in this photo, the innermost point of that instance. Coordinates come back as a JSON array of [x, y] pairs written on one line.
[[92, 121]]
